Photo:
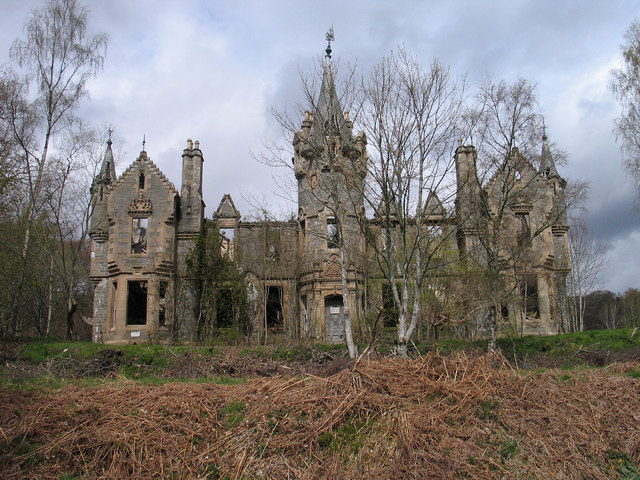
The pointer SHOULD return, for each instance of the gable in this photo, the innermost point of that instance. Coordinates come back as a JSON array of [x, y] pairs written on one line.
[[227, 209], [143, 164]]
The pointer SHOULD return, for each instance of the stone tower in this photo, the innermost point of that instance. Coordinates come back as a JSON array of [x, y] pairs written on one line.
[[190, 224], [559, 230], [330, 166], [99, 233]]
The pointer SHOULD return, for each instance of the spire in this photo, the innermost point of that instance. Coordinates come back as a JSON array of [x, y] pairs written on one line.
[[547, 165], [107, 173], [99, 192], [329, 119]]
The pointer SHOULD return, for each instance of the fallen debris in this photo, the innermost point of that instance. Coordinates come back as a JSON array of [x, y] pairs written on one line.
[[457, 416]]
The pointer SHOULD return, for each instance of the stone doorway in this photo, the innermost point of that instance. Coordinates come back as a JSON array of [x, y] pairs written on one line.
[[334, 319], [137, 303]]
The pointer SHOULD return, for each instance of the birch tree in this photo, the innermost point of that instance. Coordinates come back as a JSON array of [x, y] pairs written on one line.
[[409, 114], [588, 261], [505, 125], [68, 199], [625, 84], [338, 190], [57, 58]]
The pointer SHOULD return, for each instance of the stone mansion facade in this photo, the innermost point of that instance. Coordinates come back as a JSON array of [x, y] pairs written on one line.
[[143, 228]]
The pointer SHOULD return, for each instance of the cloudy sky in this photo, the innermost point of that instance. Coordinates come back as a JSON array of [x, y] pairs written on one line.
[[210, 70]]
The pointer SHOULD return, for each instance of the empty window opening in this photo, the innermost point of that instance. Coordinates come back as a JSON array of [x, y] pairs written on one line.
[[224, 308], [162, 308], [114, 303], [304, 315], [529, 293], [226, 242], [139, 235], [274, 317], [523, 226], [389, 312], [162, 316], [141, 181], [228, 233], [333, 233], [273, 244], [137, 303]]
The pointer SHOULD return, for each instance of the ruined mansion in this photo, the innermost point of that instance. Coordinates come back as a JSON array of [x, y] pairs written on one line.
[[143, 229]]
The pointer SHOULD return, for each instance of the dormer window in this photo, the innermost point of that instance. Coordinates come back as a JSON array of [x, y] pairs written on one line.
[[141, 181]]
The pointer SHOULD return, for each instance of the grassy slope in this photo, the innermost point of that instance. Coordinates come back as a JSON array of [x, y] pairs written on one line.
[[56, 363]]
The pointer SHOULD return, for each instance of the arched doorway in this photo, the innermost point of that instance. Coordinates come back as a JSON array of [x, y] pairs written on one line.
[[334, 319]]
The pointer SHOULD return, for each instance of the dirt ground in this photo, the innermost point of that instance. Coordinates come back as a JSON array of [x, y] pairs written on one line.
[[464, 415]]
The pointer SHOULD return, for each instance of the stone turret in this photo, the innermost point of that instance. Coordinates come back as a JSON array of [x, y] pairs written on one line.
[[191, 203], [468, 197], [100, 190], [99, 233], [559, 222]]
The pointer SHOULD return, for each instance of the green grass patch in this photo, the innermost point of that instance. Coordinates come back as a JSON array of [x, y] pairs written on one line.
[[291, 354], [570, 343], [487, 409], [330, 347], [555, 346], [633, 373], [233, 412], [37, 352], [622, 466], [508, 449], [348, 438], [258, 352]]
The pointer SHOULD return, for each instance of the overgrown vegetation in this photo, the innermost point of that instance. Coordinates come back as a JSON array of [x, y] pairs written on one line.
[[221, 292], [51, 365], [455, 416]]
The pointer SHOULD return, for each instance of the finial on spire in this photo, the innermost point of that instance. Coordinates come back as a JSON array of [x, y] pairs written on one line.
[[330, 38], [144, 141]]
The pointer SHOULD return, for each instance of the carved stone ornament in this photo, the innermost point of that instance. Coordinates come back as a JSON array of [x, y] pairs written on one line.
[[333, 270], [313, 180], [140, 206]]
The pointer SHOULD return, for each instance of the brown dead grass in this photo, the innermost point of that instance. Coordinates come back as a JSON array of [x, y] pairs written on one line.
[[458, 416]]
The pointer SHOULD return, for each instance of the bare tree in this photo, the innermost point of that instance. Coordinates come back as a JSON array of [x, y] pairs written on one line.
[[68, 198], [409, 114], [326, 141], [507, 129], [588, 261], [58, 58], [625, 84]]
